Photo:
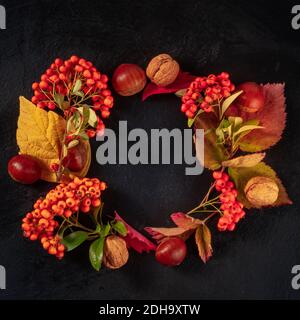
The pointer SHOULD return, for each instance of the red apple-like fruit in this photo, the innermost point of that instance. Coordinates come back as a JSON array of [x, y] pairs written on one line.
[[171, 252], [24, 169], [76, 158], [129, 79], [252, 99]]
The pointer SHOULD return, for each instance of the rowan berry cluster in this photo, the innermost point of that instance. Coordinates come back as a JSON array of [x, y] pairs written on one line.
[[205, 93], [232, 209], [70, 83], [63, 201]]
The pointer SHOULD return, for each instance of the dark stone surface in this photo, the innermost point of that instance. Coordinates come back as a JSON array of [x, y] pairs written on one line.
[[253, 40]]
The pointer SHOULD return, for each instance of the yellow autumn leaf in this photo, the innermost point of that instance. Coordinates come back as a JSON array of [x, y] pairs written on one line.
[[40, 134], [247, 161]]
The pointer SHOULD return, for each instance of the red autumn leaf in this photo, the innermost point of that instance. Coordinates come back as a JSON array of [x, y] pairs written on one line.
[[136, 240], [182, 81], [272, 118], [159, 234], [184, 221], [203, 241], [185, 227]]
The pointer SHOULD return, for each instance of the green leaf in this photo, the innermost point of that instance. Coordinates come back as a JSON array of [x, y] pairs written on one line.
[[120, 227], [246, 128], [64, 151], [96, 253], [77, 86], [228, 101], [84, 136], [214, 153], [73, 144], [192, 120], [75, 239], [65, 105], [62, 229], [98, 228], [235, 121], [97, 213], [241, 176], [85, 111], [180, 93], [79, 94], [106, 230], [93, 119], [59, 99]]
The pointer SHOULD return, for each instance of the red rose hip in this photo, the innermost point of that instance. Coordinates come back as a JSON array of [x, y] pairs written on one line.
[[24, 169], [171, 252]]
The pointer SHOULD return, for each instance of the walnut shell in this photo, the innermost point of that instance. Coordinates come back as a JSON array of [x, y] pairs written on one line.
[[162, 70], [115, 252], [261, 191]]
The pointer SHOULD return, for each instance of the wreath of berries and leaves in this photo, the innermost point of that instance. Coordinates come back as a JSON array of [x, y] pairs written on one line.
[[68, 107]]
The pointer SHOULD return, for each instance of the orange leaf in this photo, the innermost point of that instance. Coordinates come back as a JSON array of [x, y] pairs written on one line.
[[203, 241]]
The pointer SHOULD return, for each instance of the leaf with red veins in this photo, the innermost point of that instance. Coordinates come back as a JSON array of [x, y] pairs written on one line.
[[182, 81], [159, 234], [272, 118], [185, 227], [184, 221], [136, 240]]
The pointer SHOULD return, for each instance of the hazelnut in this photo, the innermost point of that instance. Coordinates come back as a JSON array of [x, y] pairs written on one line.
[[162, 70], [261, 191], [115, 252]]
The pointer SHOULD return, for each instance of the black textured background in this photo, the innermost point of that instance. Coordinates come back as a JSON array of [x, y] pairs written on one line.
[[253, 40]]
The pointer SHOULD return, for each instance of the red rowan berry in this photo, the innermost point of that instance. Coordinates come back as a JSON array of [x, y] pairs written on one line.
[[96, 203], [217, 175], [103, 186], [74, 59], [52, 250], [33, 237], [35, 86], [68, 213], [86, 202], [70, 202], [85, 209], [45, 214]]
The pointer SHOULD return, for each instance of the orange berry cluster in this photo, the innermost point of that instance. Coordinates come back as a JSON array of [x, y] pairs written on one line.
[[63, 201], [62, 78], [204, 92], [231, 208]]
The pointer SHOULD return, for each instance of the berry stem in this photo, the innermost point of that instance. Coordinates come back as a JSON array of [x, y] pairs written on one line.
[[210, 216]]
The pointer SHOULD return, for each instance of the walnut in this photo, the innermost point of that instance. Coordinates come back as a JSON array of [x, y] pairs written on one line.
[[261, 191], [162, 70], [115, 252]]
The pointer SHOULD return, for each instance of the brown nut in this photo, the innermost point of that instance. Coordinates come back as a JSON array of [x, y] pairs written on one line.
[[162, 70], [115, 252], [261, 191]]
